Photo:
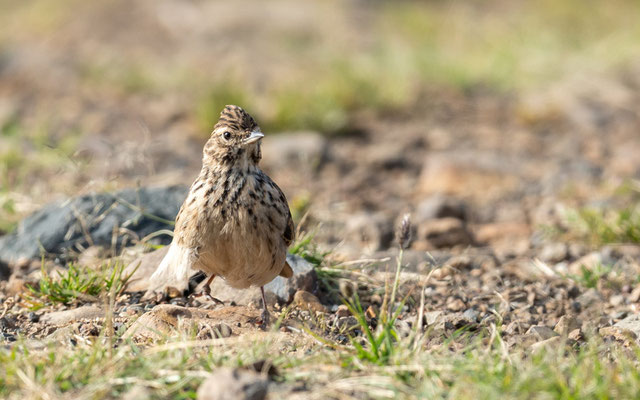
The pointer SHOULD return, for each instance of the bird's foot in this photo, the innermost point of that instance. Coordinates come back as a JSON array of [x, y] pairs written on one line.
[[264, 324], [207, 293]]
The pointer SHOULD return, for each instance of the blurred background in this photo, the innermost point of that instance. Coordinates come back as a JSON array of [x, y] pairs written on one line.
[[504, 109]]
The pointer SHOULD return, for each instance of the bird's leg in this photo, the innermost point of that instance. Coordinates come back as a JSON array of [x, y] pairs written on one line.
[[206, 291], [265, 312]]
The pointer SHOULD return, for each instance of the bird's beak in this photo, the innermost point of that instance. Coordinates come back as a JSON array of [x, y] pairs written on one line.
[[254, 137]]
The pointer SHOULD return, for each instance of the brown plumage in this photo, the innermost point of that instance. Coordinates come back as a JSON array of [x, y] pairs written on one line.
[[235, 222]]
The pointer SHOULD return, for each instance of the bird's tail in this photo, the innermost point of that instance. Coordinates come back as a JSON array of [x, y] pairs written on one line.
[[287, 271], [174, 270]]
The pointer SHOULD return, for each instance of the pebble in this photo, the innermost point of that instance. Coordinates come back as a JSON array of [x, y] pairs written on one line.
[[471, 315], [240, 384], [8, 337], [308, 301], [456, 305], [541, 332], [343, 311], [6, 323], [565, 325]]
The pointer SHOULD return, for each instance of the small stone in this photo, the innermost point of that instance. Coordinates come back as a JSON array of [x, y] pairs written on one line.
[[554, 252], [346, 323], [8, 337], [343, 311], [620, 315], [573, 292], [566, 324], [7, 323], [541, 332], [33, 317], [471, 315], [616, 300], [173, 292], [456, 305], [221, 330], [308, 301], [66, 316], [576, 306], [227, 383], [178, 301], [432, 317], [634, 297], [575, 334], [134, 310], [546, 344], [402, 327]]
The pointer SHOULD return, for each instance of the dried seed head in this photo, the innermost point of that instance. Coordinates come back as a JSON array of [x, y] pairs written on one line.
[[404, 232]]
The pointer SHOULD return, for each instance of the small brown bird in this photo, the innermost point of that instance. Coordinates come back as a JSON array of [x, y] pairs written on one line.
[[235, 222]]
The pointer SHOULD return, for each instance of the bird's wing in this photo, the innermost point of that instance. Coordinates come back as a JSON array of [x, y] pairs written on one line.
[[288, 234], [179, 263]]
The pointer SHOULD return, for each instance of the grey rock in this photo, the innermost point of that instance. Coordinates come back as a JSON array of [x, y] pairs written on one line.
[[280, 289], [232, 384], [433, 317], [61, 227], [66, 316], [471, 315], [631, 323], [541, 332], [566, 324], [546, 344]]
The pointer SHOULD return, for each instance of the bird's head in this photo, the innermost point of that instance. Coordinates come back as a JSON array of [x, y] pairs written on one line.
[[235, 139]]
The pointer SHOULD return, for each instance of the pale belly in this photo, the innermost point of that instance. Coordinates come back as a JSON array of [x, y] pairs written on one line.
[[242, 260]]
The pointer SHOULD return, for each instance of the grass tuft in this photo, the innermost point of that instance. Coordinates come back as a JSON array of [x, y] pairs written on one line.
[[77, 283], [599, 227]]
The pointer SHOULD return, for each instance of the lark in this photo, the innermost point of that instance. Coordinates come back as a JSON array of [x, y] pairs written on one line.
[[235, 222]]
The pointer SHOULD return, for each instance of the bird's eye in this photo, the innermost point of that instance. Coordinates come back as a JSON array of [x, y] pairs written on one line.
[[226, 135]]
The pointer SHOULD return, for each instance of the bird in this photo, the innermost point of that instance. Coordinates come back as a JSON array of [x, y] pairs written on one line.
[[235, 222]]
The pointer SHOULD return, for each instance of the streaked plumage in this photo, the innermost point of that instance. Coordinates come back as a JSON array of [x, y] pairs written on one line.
[[235, 222]]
